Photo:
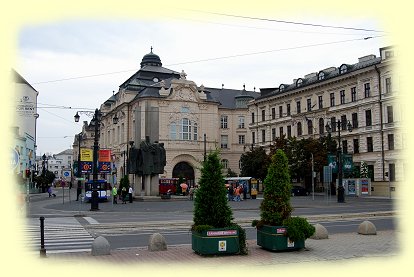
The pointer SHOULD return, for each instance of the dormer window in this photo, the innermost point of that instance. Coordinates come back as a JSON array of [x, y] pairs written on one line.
[[343, 69], [321, 76], [281, 88], [299, 82]]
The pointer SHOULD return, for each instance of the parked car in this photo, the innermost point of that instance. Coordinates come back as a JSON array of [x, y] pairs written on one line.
[[299, 191]]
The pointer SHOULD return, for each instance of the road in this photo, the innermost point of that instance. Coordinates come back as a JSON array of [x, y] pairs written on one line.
[[130, 225]]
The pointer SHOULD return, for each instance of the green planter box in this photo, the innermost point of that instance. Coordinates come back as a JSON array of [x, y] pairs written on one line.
[[273, 238], [216, 242]]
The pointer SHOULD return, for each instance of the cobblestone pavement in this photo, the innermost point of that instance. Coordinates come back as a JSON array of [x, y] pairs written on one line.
[[337, 247]]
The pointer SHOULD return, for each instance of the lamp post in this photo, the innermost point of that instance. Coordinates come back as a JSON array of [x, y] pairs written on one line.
[[341, 189], [96, 121]]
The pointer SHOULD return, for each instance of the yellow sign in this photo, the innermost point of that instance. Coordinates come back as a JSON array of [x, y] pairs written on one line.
[[86, 155]]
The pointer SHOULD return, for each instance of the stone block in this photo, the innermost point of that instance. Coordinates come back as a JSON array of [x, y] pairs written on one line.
[[367, 228], [100, 247], [157, 242], [320, 232]]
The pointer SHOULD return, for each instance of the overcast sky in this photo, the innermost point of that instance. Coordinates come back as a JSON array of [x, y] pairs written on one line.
[[212, 50]]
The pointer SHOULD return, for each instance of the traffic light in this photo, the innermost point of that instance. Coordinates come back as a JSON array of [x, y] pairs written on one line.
[[27, 173]]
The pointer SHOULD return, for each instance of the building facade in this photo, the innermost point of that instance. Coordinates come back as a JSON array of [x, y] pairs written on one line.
[[364, 93], [189, 120]]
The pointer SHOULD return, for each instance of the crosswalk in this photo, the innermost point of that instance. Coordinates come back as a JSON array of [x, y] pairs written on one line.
[[61, 234]]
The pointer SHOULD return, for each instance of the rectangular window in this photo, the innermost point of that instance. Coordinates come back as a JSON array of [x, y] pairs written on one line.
[[368, 118], [289, 131], [273, 113], [390, 141], [333, 124], [281, 132], [224, 141], [195, 132], [356, 146], [263, 115], [370, 145], [392, 172], [342, 94], [280, 111], [390, 114], [388, 88], [354, 120], [223, 121], [298, 107], [320, 102], [345, 146], [288, 109], [273, 134], [367, 90], [309, 104], [353, 94], [343, 122], [242, 139], [241, 122], [332, 99], [252, 117], [263, 136], [253, 138]]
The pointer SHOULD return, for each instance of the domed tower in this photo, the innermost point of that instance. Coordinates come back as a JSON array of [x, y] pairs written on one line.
[[243, 98], [151, 59]]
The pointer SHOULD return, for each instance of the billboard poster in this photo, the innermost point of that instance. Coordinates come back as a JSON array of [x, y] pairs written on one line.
[[351, 187], [86, 155], [86, 167], [364, 186], [332, 163], [104, 155], [347, 164], [104, 167]]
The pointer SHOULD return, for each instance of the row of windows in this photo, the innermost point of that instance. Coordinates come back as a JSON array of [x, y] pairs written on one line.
[[224, 122]]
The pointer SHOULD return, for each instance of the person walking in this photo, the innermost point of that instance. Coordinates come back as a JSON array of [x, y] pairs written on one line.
[[78, 190], [114, 195], [237, 193], [191, 193], [123, 195], [231, 192], [130, 191]]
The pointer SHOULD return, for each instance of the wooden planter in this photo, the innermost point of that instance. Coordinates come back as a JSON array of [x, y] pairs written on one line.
[[273, 238], [218, 241]]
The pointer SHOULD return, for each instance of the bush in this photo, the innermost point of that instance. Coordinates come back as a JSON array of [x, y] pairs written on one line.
[[298, 228]]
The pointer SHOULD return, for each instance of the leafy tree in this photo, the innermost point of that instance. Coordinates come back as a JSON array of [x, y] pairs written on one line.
[[210, 204], [275, 206], [124, 182], [45, 179], [364, 170], [254, 163], [231, 173]]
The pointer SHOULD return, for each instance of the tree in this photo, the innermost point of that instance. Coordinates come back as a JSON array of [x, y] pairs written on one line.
[[364, 170], [210, 204], [231, 173], [45, 179], [254, 163]]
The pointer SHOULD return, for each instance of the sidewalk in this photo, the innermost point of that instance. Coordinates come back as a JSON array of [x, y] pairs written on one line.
[[336, 247]]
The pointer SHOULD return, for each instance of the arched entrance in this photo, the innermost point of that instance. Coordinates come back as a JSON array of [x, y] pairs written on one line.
[[185, 170]]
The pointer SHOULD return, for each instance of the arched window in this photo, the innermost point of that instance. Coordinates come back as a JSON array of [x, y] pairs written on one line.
[[299, 128], [173, 131], [225, 163], [185, 132], [281, 87], [343, 69], [321, 76], [299, 82]]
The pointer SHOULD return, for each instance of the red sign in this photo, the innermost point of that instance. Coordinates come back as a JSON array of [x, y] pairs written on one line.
[[221, 233], [281, 230], [105, 155]]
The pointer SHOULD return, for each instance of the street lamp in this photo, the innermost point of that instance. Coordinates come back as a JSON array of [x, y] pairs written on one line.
[[96, 121], [341, 189]]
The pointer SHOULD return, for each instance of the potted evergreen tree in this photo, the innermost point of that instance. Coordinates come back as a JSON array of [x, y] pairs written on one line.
[[277, 230], [213, 232]]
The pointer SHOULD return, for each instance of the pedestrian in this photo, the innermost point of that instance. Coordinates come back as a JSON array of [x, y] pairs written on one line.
[[237, 194], [78, 190], [49, 190], [231, 192], [130, 191], [123, 195], [191, 193], [114, 195], [70, 185]]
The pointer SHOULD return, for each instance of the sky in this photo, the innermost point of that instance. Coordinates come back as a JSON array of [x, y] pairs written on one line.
[[77, 63]]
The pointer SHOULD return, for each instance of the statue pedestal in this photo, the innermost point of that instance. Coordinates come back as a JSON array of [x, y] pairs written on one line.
[[151, 184]]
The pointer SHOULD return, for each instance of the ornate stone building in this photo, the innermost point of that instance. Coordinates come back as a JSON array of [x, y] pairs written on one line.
[[165, 106], [364, 93]]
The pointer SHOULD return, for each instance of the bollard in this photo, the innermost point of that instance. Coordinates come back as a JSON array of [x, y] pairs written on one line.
[[42, 237]]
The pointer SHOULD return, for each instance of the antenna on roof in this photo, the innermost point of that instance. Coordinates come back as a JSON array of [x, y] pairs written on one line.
[[151, 49], [254, 89], [113, 92], [222, 86], [244, 86]]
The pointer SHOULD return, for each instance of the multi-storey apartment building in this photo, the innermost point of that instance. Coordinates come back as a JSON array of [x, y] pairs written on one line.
[[364, 93], [165, 106]]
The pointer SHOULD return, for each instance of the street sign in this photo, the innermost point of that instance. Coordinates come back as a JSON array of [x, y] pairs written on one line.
[[66, 173], [80, 179]]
